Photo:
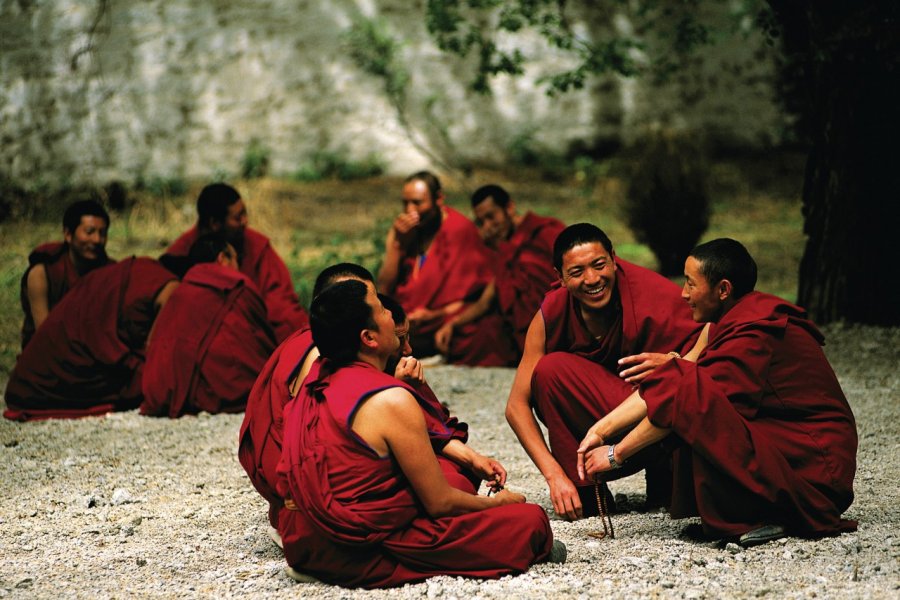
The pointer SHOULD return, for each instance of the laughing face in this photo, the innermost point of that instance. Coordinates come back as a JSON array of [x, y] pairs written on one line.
[[589, 273]]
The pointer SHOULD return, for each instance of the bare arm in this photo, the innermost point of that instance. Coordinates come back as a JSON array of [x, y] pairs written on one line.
[[643, 435], [38, 291], [391, 422], [521, 418], [294, 384], [473, 311]]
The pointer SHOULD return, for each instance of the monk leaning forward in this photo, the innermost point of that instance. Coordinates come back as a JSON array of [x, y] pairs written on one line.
[[220, 209], [87, 357], [373, 508], [210, 340], [607, 315], [768, 441]]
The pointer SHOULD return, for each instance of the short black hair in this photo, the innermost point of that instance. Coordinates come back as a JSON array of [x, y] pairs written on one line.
[[725, 258], [577, 234], [337, 316], [207, 248], [341, 270], [430, 180], [213, 203], [494, 192], [83, 208]]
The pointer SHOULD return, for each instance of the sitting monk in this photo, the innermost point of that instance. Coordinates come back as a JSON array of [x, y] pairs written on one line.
[[768, 439], [367, 503], [53, 268], [87, 357], [608, 314], [284, 373], [435, 264], [211, 339], [522, 261], [220, 208]]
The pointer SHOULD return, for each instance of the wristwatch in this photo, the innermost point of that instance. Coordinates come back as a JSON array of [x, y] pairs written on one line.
[[610, 454]]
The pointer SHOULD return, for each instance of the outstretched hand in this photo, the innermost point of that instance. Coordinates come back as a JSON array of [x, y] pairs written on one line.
[[590, 441], [597, 461], [642, 365]]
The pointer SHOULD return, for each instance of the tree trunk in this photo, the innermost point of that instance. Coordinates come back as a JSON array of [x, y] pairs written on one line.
[[852, 185]]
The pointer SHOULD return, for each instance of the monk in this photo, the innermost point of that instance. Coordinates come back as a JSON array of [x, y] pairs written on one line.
[[55, 267], [87, 356], [368, 503], [435, 264], [221, 209], [594, 337], [261, 434], [522, 259], [768, 441], [211, 339]]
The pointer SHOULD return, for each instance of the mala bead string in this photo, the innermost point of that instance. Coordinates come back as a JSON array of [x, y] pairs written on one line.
[[604, 516]]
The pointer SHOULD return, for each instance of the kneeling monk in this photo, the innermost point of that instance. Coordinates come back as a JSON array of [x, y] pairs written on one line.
[[87, 357], [371, 506], [769, 439], [211, 339]]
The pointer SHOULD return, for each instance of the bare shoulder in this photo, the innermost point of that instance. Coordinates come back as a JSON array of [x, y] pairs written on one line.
[[37, 278]]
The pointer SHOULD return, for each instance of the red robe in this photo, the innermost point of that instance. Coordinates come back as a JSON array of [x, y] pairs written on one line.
[[769, 436], [86, 358], [61, 276], [577, 382], [524, 272], [267, 271], [210, 342], [262, 430], [359, 522], [456, 267]]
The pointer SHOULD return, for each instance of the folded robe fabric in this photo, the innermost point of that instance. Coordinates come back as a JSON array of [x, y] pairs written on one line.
[[210, 341], [769, 436], [87, 357], [260, 262]]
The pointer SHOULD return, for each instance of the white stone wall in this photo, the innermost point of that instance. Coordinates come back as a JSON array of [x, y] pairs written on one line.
[[179, 88]]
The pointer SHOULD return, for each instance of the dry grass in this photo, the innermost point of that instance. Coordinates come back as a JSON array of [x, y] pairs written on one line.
[[315, 224]]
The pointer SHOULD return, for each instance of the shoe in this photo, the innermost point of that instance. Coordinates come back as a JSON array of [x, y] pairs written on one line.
[[761, 535], [558, 553], [300, 577], [276, 537]]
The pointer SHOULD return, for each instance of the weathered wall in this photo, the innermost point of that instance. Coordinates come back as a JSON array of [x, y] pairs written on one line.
[[118, 89]]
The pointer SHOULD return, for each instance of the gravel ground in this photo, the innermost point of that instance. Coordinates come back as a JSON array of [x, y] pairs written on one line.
[[127, 506]]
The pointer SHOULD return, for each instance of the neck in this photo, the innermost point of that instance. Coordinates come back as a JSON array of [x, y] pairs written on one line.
[[82, 266], [375, 360]]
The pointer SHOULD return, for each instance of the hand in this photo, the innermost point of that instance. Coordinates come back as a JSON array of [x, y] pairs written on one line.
[[410, 369], [490, 471], [442, 338], [597, 461], [507, 497], [590, 441], [644, 363], [564, 496], [404, 227], [421, 315]]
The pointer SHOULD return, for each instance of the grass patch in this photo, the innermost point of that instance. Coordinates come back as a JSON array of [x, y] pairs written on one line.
[[316, 223]]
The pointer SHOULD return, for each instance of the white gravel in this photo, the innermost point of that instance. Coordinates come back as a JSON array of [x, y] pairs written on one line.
[[129, 506]]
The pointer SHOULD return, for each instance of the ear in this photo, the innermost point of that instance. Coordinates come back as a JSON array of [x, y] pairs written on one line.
[[367, 339], [511, 208], [67, 235], [724, 290], [222, 258], [558, 275], [214, 226]]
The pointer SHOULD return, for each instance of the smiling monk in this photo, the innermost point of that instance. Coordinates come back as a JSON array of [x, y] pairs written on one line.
[[607, 315]]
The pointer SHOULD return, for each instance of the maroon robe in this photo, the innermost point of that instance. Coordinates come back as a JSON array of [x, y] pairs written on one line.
[[262, 430], [61, 276], [86, 358], [577, 382], [359, 522], [456, 267], [769, 436], [210, 341], [267, 271], [524, 272]]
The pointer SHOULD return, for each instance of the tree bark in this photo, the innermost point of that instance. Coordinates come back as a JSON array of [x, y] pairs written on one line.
[[852, 186]]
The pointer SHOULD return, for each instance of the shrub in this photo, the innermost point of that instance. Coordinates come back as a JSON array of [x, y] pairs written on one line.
[[325, 164], [668, 206], [255, 162]]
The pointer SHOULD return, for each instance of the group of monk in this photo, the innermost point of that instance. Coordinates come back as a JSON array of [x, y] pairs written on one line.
[[721, 394]]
